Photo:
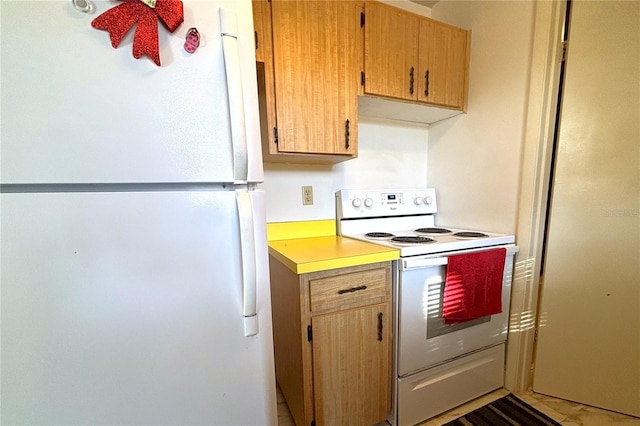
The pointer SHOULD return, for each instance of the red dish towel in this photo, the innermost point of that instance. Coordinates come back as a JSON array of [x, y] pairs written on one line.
[[473, 286]]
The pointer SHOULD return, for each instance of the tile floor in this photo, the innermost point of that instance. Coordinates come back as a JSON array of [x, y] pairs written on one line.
[[565, 412]]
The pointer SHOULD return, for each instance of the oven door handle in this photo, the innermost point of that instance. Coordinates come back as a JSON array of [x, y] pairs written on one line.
[[424, 263]]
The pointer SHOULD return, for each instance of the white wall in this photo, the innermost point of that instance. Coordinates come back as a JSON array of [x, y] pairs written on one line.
[[475, 159], [390, 154]]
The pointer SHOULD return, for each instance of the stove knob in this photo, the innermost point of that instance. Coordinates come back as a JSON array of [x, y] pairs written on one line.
[[357, 202], [428, 200], [368, 202], [417, 201]]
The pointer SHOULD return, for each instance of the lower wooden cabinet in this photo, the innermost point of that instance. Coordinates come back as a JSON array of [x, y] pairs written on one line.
[[332, 338]]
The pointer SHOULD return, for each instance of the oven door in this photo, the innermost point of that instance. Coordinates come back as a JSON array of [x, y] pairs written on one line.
[[424, 340]]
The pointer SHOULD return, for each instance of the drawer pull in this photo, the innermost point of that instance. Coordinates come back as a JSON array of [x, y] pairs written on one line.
[[352, 289]]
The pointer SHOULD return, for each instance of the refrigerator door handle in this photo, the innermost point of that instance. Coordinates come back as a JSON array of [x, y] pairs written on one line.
[[235, 96], [248, 260]]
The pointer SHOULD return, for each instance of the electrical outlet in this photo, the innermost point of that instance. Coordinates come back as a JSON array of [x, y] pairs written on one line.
[[307, 195]]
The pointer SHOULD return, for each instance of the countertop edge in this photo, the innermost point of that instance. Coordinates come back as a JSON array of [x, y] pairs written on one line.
[[376, 254]]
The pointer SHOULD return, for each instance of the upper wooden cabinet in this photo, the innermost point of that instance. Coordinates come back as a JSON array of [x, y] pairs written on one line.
[[311, 79], [443, 64], [414, 58], [390, 51]]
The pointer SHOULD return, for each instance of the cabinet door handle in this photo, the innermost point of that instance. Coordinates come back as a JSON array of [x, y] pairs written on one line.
[[232, 66], [379, 326], [352, 289], [246, 218], [426, 83], [411, 79], [346, 134]]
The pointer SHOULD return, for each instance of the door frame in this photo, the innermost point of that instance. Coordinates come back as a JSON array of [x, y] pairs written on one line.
[[538, 139]]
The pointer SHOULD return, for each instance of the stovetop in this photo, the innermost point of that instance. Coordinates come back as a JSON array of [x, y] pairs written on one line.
[[420, 243], [405, 220]]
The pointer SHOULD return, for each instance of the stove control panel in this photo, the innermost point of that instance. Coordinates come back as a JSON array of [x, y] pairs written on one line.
[[391, 199], [353, 203]]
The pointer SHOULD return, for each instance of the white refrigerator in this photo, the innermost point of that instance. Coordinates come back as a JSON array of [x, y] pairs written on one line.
[[134, 274]]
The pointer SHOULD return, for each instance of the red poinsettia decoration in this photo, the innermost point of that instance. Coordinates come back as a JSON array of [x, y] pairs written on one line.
[[120, 19]]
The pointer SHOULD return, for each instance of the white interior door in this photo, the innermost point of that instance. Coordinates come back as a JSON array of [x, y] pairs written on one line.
[[588, 346]]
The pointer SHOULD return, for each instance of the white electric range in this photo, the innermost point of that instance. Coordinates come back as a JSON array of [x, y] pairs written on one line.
[[437, 365]]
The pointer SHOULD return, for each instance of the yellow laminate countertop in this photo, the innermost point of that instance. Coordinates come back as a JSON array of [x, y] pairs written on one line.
[[303, 255]]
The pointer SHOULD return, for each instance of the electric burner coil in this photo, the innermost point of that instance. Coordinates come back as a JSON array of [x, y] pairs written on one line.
[[433, 231], [378, 235], [412, 240], [468, 234]]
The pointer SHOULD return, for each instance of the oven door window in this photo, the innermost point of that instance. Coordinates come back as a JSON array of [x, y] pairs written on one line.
[[435, 323], [424, 340]]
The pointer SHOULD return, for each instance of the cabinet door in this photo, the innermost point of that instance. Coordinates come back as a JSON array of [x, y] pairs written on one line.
[[316, 66], [259, 17], [442, 64], [351, 366], [391, 49], [264, 69]]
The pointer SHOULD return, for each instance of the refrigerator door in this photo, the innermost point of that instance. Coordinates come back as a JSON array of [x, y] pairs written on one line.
[[132, 316], [76, 110]]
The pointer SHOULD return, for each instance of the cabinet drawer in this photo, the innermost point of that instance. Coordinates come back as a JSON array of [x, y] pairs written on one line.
[[349, 290]]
